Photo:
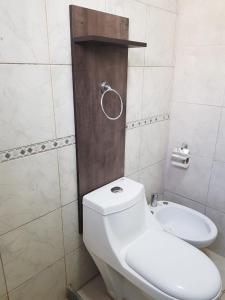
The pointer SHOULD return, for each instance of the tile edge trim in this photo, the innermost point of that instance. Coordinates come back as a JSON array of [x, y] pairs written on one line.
[[36, 148], [57, 143], [147, 121]]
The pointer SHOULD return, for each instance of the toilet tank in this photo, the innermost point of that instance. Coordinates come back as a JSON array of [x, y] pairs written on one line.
[[114, 215]]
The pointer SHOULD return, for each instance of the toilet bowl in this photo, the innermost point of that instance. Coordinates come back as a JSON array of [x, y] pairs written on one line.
[[185, 223], [137, 259]]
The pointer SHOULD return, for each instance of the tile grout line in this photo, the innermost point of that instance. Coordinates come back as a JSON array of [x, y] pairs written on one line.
[[177, 194], [4, 275], [148, 16], [92, 278], [82, 245], [175, 35], [35, 275], [146, 167], [68, 64], [196, 103], [50, 70], [146, 36], [171, 95], [142, 94], [30, 221], [157, 7], [204, 205], [152, 165], [57, 151], [63, 238], [35, 219], [213, 156], [34, 64], [61, 214], [57, 143]]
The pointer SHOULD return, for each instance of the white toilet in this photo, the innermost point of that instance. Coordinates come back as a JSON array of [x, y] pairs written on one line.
[[137, 259]]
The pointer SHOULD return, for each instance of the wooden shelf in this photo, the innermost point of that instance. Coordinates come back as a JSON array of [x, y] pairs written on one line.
[[108, 41]]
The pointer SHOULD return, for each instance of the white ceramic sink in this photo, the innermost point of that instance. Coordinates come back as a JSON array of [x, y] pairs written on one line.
[[185, 223]]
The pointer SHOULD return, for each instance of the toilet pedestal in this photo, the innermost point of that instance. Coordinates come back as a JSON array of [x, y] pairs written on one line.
[[118, 287]]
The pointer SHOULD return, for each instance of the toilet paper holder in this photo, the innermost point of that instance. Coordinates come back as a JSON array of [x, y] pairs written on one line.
[[180, 156]]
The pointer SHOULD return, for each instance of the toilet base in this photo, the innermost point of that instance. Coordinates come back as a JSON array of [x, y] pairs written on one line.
[[118, 287]]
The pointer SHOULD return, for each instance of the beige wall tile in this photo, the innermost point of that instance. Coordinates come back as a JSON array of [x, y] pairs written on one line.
[[132, 150], [23, 32], [31, 248], [205, 27], [217, 187], [199, 85], [68, 175], [153, 178], [135, 176], [79, 268], [196, 125], [156, 91], [220, 145], [48, 284], [183, 181], [160, 37], [59, 27], [72, 238], [137, 13], [26, 114], [170, 5], [63, 100], [153, 147], [199, 75], [134, 93], [29, 189]]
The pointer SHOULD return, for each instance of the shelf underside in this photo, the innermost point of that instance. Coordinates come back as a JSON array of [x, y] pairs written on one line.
[[90, 39]]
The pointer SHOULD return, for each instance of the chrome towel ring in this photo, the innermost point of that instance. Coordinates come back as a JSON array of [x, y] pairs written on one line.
[[106, 88]]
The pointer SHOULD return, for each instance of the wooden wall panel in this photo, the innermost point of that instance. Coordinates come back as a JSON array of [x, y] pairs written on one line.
[[100, 142]]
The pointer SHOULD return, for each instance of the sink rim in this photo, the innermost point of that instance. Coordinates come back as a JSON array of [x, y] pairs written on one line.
[[200, 242]]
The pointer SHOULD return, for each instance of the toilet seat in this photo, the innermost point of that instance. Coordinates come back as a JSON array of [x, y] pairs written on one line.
[[192, 275]]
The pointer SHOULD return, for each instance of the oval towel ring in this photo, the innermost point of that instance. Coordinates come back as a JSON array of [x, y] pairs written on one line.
[[106, 88]]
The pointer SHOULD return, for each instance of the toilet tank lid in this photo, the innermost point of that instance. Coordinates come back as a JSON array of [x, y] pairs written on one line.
[[115, 196]]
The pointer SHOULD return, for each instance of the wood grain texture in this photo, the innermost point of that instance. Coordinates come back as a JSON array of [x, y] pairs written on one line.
[[100, 142]]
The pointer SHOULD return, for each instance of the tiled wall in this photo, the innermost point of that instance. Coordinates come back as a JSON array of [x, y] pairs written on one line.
[[198, 115], [40, 249], [150, 77]]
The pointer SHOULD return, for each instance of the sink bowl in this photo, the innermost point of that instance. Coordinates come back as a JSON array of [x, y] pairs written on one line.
[[185, 223]]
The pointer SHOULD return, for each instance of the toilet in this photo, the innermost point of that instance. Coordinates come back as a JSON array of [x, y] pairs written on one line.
[[137, 259]]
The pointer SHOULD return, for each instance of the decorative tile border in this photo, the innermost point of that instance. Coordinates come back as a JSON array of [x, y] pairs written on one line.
[[148, 121], [32, 149]]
